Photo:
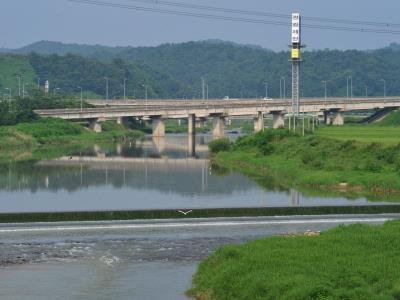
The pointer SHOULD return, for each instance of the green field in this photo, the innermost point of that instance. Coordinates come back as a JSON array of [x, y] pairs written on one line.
[[349, 262], [389, 135]]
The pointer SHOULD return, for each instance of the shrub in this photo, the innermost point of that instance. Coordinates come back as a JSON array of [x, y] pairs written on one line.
[[219, 145]]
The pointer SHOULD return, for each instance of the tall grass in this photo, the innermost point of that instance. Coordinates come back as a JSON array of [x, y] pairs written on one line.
[[315, 161], [349, 262]]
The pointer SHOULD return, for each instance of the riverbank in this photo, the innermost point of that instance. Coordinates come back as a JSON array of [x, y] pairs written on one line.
[[315, 163], [18, 141], [318, 266]]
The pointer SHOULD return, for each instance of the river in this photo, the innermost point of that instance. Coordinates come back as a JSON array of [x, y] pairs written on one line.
[[148, 259]]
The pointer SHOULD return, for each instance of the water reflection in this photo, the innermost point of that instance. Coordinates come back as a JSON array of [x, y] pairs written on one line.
[[156, 173]]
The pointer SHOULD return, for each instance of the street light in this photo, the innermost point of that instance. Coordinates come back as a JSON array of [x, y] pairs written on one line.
[[366, 91], [349, 78], [266, 90], [145, 89], [81, 97], [106, 79], [384, 87], [124, 89]]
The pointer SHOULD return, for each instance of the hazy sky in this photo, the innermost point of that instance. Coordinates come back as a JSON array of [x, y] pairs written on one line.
[[26, 21]]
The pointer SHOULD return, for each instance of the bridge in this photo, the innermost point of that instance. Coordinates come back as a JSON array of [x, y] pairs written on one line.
[[331, 109]]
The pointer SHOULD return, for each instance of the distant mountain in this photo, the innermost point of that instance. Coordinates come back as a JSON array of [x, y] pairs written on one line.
[[230, 69], [48, 48], [99, 51]]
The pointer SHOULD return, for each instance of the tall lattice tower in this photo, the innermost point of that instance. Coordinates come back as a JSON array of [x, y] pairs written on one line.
[[296, 60]]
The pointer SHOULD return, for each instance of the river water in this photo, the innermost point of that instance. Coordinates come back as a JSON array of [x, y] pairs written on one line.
[[153, 174], [142, 260]]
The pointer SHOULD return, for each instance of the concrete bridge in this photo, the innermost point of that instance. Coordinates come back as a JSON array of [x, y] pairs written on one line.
[[331, 110]]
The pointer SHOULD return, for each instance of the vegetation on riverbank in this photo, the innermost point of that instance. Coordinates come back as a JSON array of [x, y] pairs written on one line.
[[315, 162], [348, 262], [24, 138]]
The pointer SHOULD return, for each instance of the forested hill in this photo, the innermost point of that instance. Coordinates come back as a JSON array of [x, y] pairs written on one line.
[[175, 70]]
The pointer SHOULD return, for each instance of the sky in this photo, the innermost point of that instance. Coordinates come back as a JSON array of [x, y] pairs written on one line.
[[26, 21]]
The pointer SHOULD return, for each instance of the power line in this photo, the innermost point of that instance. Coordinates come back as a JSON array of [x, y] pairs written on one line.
[[230, 18], [266, 14]]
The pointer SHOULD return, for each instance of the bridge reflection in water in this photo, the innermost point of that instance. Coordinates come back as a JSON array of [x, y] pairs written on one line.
[[153, 174]]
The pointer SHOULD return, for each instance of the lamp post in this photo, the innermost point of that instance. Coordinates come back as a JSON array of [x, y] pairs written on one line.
[[366, 91], [145, 92], [266, 90], [81, 97], [325, 82], [125, 89], [284, 87], [384, 87]]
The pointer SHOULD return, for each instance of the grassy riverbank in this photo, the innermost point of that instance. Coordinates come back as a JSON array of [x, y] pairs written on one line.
[[315, 162], [18, 140], [352, 262]]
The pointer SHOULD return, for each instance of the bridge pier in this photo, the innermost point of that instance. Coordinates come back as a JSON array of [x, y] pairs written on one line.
[[278, 119], [158, 127], [191, 124], [327, 118], [218, 126], [338, 118], [191, 145], [259, 122], [95, 124]]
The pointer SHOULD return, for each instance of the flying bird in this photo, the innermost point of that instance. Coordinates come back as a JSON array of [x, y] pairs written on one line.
[[185, 212]]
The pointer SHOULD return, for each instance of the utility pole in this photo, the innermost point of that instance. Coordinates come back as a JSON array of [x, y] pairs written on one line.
[[266, 90], [207, 90], [366, 91]]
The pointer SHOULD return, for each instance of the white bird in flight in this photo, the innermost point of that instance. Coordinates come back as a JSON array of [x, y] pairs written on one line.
[[185, 212]]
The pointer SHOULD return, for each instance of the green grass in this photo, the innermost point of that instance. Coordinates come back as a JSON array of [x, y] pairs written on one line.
[[389, 135], [349, 262], [314, 162]]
